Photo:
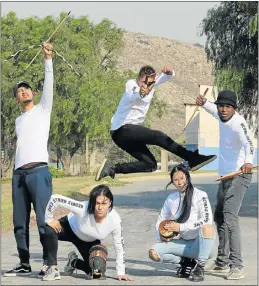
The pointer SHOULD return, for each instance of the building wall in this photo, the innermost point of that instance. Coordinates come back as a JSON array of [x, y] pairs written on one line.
[[192, 130]]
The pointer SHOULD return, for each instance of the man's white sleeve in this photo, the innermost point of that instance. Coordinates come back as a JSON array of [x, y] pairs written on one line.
[[132, 90], [244, 135], [59, 201], [119, 249], [163, 78], [211, 108], [47, 95]]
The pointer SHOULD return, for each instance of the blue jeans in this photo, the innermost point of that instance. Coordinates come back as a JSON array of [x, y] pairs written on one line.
[[33, 185], [172, 251]]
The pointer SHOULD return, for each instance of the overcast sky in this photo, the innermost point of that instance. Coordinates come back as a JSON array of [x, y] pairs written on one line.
[[173, 20]]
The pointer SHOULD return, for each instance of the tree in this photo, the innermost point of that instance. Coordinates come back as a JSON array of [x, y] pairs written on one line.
[[82, 104], [232, 45], [85, 101]]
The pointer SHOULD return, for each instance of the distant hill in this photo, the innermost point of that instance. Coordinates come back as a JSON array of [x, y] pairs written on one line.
[[189, 62]]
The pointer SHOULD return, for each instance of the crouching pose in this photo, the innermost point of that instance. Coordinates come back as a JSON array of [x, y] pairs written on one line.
[[184, 228], [85, 226]]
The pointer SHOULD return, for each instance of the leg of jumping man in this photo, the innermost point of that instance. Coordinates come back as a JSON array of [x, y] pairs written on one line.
[[133, 140], [128, 134]]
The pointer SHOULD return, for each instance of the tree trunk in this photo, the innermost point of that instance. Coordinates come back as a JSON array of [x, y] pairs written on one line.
[[65, 161]]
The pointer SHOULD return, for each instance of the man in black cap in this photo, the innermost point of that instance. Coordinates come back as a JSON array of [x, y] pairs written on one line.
[[236, 152], [31, 181]]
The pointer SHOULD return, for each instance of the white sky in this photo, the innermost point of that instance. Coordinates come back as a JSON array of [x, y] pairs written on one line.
[[173, 20]]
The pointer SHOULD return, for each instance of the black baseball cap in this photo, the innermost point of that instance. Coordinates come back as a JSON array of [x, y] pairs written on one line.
[[19, 84], [227, 97]]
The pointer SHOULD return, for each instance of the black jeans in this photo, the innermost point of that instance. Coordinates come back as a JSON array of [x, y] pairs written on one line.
[[134, 140], [32, 185], [67, 234], [229, 200]]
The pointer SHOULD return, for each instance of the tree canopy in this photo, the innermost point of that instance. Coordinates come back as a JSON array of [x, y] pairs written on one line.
[[84, 103], [232, 45]]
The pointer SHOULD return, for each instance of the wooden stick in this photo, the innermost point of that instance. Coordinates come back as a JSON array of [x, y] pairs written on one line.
[[231, 175], [197, 107], [50, 37]]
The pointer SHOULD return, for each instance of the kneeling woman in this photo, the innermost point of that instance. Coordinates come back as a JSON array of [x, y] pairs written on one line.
[[190, 218], [85, 226]]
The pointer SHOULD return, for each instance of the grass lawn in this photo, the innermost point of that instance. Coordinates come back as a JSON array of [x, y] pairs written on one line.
[[74, 187]]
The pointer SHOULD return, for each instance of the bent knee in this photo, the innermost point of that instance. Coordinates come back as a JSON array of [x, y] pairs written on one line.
[[208, 231], [48, 230], [152, 166], [153, 255]]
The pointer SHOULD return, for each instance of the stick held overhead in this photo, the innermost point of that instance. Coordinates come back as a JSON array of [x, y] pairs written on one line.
[[50, 37]]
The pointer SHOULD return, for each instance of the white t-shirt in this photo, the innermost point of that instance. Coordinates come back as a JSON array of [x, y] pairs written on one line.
[[235, 143], [87, 229], [32, 127], [201, 213], [133, 108]]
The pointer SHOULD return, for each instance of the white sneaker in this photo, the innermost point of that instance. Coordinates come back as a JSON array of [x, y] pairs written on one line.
[[51, 274]]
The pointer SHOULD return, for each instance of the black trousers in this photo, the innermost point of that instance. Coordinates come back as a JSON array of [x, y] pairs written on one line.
[[30, 186], [67, 234], [134, 140]]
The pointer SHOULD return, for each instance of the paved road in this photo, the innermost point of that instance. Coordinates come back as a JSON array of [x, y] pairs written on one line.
[[139, 205]]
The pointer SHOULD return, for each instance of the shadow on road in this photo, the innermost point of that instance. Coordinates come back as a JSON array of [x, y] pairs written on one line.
[[153, 200]]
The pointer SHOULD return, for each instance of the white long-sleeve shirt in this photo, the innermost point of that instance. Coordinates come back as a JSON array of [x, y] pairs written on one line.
[[87, 229], [200, 214], [235, 142], [133, 108], [32, 127]]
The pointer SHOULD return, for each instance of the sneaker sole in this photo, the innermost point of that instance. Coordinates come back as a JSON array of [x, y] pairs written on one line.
[[217, 271], [203, 164], [240, 277], [16, 274], [97, 178], [196, 280], [51, 279]]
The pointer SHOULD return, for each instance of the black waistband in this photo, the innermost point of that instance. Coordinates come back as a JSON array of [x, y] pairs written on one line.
[[41, 164]]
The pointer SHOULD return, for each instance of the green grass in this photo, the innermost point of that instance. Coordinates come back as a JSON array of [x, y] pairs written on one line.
[[77, 188], [74, 187]]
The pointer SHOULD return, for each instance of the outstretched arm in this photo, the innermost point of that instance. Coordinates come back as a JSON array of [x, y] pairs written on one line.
[[47, 94], [207, 105], [120, 253], [167, 74], [59, 201]]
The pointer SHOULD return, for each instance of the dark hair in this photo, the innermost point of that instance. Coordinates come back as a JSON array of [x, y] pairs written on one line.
[[187, 202], [97, 191], [146, 70]]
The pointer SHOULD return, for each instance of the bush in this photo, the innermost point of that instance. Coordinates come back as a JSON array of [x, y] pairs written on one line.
[[56, 173]]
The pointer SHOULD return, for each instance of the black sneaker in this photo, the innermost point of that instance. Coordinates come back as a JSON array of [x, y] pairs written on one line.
[[105, 170], [199, 160], [197, 275], [19, 270], [187, 264]]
